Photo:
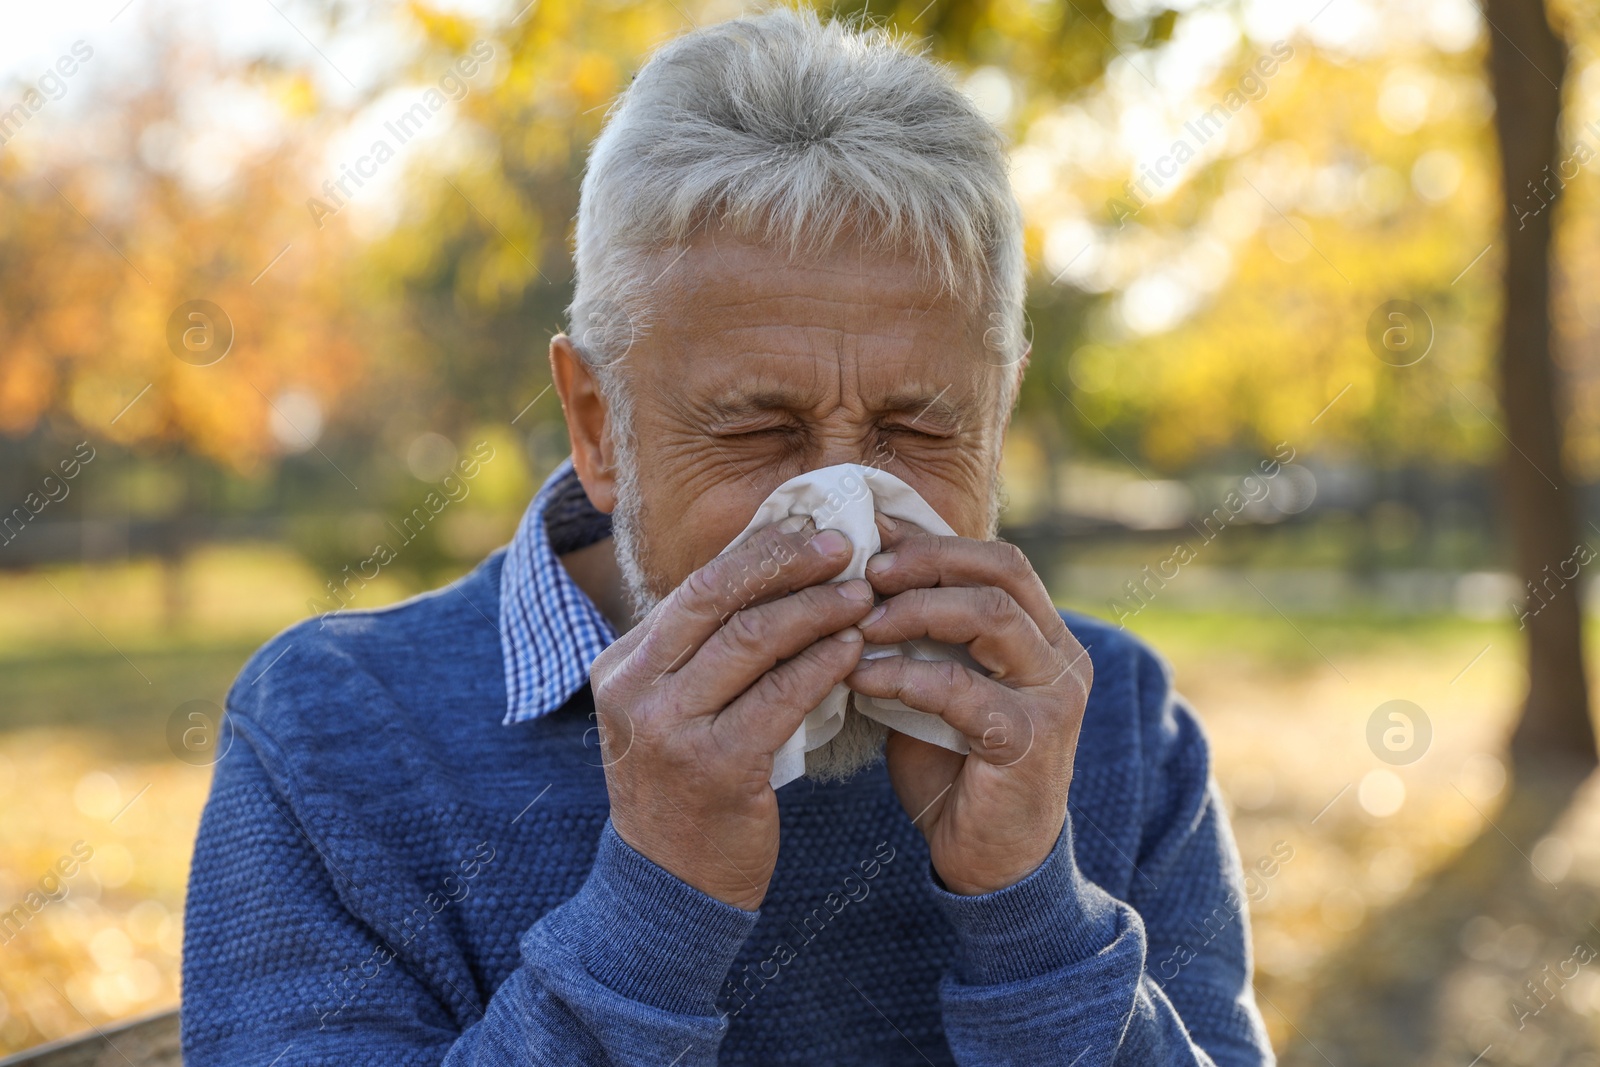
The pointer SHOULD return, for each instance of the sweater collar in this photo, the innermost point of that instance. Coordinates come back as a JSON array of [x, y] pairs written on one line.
[[550, 631]]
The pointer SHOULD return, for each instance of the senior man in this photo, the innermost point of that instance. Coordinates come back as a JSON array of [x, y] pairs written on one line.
[[527, 818]]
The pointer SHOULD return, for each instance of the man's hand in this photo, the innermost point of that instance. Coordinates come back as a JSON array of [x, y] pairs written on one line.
[[694, 701], [990, 817]]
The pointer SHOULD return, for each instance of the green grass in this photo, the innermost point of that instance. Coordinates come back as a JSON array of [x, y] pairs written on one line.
[[98, 691], [1301, 641]]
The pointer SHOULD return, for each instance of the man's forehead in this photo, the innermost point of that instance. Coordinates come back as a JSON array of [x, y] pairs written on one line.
[[741, 329], [744, 278]]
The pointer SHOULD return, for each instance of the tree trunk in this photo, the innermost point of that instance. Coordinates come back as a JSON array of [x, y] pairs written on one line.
[[1527, 64]]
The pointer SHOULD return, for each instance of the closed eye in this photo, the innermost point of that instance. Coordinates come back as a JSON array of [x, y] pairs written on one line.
[[763, 433], [916, 431]]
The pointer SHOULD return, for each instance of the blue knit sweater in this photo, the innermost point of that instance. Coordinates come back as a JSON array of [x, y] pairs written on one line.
[[385, 874]]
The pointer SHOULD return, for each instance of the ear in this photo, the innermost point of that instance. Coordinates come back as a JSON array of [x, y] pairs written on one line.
[[588, 422]]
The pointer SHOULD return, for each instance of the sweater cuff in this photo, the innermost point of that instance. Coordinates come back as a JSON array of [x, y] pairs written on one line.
[[1050, 919], [647, 935]]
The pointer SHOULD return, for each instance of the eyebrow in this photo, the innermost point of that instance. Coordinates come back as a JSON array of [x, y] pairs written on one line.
[[934, 410], [734, 404]]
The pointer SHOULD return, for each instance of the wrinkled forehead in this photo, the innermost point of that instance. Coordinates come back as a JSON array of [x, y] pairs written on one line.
[[744, 325]]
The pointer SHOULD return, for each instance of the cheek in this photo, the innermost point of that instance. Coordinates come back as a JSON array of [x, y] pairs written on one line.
[[695, 502], [967, 511], [957, 483]]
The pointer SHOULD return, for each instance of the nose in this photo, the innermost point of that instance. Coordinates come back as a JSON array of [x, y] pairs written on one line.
[[853, 443]]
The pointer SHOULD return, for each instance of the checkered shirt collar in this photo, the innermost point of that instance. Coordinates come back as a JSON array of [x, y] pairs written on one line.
[[550, 631]]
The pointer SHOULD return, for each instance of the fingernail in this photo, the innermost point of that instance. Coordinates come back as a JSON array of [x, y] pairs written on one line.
[[888, 523], [874, 615], [880, 563], [849, 636], [830, 543], [855, 589]]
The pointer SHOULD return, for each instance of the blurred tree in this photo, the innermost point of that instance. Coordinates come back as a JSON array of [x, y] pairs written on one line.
[[103, 240], [1236, 303], [478, 271], [1527, 64], [1051, 50]]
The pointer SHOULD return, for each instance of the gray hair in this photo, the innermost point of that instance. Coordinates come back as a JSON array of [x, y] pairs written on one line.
[[791, 132]]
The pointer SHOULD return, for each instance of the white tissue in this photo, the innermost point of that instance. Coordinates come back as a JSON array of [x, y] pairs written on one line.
[[844, 498]]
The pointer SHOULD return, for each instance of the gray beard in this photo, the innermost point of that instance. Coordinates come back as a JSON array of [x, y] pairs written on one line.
[[859, 742]]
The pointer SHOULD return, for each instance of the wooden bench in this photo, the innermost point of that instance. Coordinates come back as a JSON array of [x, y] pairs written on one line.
[[148, 1042]]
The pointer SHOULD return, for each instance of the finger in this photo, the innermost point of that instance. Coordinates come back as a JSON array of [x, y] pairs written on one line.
[[910, 558], [995, 629], [922, 559], [773, 563], [771, 710], [997, 726], [757, 638]]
